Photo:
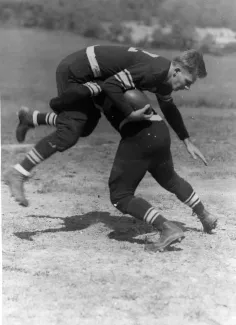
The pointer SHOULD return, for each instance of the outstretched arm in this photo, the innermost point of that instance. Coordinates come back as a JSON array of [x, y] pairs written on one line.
[[136, 76], [194, 151], [174, 118]]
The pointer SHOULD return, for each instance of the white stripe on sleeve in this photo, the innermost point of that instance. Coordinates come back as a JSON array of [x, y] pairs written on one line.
[[125, 78], [94, 88]]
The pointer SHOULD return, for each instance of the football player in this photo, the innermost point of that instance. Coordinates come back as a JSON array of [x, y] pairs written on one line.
[[99, 72], [145, 147]]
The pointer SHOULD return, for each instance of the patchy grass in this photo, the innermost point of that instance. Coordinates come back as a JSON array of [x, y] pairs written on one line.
[[70, 257]]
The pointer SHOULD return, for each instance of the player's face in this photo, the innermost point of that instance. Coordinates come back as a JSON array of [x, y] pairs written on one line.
[[181, 80]]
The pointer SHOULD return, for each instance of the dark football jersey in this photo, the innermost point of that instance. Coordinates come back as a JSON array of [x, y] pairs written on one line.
[[114, 70]]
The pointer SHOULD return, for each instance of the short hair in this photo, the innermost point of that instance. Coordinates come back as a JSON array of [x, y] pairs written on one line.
[[193, 62]]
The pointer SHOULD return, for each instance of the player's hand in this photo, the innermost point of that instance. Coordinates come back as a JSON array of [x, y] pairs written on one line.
[[194, 151], [141, 114]]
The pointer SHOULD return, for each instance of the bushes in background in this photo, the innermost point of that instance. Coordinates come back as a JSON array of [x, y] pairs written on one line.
[[103, 19]]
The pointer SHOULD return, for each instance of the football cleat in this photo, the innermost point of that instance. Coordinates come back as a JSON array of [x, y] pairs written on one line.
[[25, 123], [15, 180], [209, 222], [170, 234]]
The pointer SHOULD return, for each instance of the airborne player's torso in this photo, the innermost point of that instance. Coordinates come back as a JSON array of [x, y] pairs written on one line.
[[146, 69], [109, 71], [113, 59]]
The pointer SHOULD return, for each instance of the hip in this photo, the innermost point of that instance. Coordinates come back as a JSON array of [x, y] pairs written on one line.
[[146, 140]]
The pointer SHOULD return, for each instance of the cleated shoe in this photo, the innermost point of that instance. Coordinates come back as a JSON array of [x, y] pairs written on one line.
[[15, 180], [209, 222], [170, 234], [25, 123]]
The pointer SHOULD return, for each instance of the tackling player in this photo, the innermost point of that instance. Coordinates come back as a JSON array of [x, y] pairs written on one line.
[[145, 146], [94, 72]]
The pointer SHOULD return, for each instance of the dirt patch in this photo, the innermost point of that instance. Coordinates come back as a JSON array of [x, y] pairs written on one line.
[[71, 258]]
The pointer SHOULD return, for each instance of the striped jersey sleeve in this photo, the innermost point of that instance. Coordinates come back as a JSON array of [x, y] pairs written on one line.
[[138, 76], [74, 93]]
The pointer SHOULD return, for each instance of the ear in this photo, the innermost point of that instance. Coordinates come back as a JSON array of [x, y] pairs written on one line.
[[177, 70]]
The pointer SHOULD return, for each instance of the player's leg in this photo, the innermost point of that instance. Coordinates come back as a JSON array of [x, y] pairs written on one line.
[[70, 125], [31, 119], [128, 169], [164, 173]]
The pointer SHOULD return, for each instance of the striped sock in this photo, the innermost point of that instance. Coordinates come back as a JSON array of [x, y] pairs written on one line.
[[43, 150], [44, 118], [153, 217], [195, 203], [22, 170], [32, 159]]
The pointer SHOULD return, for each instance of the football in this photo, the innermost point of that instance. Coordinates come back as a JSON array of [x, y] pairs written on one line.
[[137, 99]]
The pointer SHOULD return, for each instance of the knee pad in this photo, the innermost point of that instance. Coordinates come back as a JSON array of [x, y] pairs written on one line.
[[121, 204]]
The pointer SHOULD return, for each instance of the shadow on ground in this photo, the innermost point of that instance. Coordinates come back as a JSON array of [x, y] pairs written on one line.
[[123, 228]]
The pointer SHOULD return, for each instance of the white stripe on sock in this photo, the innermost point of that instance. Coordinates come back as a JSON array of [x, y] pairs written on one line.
[[154, 217], [38, 154], [34, 156], [193, 200], [50, 119], [147, 213], [151, 215], [21, 170], [46, 118], [35, 114], [54, 119], [185, 202], [31, 159], [195, 203]]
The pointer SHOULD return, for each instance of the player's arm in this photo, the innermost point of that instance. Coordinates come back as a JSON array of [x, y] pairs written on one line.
[[172, 115], [74, 93], [115, 86], [174, 118], [114, 89]]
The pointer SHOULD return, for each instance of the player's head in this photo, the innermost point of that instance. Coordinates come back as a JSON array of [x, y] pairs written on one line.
[[185, 69]]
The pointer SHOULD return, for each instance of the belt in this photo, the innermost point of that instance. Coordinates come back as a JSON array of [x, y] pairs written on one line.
[[93, 61]]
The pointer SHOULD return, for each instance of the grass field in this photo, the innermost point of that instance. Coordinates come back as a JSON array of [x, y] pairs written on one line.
[[70, 257]]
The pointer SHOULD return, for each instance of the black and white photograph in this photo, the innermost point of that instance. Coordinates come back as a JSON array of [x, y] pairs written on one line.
[[118, 162]]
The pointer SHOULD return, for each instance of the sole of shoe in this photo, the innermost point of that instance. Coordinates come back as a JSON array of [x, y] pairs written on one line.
[[7, 181], [211, 227], [161, 248], [22, 127]]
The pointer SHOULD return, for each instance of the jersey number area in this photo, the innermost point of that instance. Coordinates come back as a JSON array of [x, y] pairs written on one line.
[[133, 49]]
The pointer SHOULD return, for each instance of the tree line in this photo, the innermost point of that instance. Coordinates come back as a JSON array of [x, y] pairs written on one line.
[[90, 17]]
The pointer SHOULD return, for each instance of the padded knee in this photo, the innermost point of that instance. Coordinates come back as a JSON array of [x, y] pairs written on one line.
[[68, 133], [121, 204]]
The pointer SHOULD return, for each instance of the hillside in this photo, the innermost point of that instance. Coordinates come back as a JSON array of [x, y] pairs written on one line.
[[73, 14]]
